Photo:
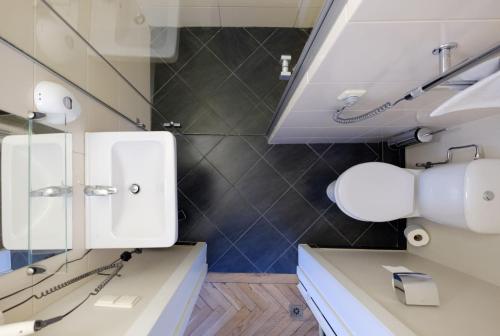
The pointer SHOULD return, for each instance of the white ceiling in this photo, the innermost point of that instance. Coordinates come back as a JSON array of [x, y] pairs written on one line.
[[385, 47]]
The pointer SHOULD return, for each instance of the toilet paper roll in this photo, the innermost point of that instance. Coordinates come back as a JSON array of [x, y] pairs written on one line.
[[416, 235]]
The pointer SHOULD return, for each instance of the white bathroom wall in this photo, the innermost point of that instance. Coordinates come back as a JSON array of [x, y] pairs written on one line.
[[383, 47], [41, 33], [469, 252], [31, 26], [236, 13]]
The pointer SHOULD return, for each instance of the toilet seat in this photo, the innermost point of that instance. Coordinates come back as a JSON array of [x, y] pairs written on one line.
[[376, 192]]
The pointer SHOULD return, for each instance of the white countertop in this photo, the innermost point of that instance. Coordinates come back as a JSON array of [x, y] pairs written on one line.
[[153, 275], [469, 306]]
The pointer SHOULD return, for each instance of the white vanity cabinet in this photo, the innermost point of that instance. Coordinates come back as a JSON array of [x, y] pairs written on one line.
[[350, 293]]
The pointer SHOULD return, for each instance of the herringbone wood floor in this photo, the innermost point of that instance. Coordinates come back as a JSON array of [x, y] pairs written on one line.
[[250, 304]]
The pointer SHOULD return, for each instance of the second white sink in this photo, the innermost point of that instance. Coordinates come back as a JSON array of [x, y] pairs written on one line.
[[131, 189]]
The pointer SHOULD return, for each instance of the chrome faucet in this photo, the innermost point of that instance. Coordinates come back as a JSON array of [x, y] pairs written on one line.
[[52, 191], [99, 190]]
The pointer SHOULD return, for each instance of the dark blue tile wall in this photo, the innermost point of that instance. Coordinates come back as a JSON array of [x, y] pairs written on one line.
[[252, 202]]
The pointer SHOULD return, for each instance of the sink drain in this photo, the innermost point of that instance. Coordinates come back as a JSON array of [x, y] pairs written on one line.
[[134, 188]]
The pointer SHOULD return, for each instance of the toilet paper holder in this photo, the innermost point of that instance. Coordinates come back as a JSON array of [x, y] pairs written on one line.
[[415, 289], [449, 156]]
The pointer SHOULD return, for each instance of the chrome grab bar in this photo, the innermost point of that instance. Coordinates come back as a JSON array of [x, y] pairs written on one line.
[[449, 156], [52, 191], [99, 190]]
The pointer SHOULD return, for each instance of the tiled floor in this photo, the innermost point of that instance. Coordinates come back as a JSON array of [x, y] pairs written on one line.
[[253, 202], [225, 81]]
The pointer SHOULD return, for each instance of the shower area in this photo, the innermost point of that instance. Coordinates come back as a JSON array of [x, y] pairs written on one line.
[[215, 76], [222, 80]]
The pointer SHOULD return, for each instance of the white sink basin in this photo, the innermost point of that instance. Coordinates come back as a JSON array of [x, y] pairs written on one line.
[[131, 193], [50, 179]]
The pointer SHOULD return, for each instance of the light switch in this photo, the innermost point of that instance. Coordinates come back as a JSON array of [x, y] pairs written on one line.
[[126, 301], [106, 301], [113, 301]]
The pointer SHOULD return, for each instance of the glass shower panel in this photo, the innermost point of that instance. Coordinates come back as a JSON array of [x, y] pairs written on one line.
[[50, 191], [14, 232]]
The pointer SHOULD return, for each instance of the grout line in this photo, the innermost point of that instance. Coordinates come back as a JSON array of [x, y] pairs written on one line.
[[279, 257], [332, 225], [256, 99], [233, 72], [362, 234], [262, 214], [377, 154], [261, 158], [219, 231], [204, 216]]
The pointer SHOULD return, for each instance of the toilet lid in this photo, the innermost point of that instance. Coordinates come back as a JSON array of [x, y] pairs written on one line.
[[376, 192]]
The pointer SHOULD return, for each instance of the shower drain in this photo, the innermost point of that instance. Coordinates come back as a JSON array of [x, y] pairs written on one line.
[[296, 312]]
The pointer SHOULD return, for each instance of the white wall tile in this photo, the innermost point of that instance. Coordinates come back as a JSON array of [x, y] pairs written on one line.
[[132, 105], [259, 3], [136, 70], [16, 88], [100, 119], [307, 16], [312, 3], [323, 96], [384, 10], [323, 132], [199, 17], [75, 12], [58, 46], [388, 52], [314, 119], [127, 126], [102, 81], [258, 16], [177, 3], [284, 140], [16, 23]]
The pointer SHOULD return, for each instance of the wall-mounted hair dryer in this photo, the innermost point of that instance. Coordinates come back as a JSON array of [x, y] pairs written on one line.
[[18, 329], [58, 105]]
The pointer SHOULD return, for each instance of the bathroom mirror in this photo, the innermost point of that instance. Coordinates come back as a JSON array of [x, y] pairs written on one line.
[[35, 191]]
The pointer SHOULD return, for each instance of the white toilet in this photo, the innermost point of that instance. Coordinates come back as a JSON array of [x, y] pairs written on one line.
[[465, 195]]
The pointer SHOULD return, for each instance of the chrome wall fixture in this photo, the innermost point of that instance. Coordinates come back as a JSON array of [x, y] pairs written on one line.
[[52, 191], [445, 64], [449, 156], [444, 54], [99, 190], [286, 73]]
